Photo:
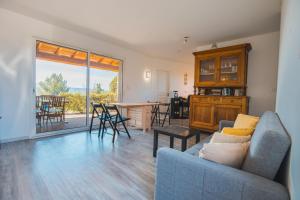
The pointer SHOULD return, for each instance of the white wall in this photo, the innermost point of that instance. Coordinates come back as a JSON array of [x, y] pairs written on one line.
[[262, 70], [178, 80], [17, 74], [288, 95]]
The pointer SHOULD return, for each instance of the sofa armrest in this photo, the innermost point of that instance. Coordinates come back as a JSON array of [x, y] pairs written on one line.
[[182, 176], [225, 123]]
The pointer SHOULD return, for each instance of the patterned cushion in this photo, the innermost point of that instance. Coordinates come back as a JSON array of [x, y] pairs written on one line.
[[55, 110]]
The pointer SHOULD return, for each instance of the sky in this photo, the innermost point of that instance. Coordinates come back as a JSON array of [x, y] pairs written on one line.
[[74, 75]]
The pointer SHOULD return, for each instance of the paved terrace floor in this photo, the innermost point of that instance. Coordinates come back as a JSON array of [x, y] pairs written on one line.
[[79, 120]]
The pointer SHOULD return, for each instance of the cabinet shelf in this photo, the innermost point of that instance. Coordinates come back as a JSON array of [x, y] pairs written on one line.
[[207, 74], [228, 72]]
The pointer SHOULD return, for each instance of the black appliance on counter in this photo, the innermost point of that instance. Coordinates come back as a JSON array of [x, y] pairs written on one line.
[[180, 107]]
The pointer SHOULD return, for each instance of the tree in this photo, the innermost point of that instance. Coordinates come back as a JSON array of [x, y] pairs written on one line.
[[113, 86], [98, 88], [54, 85]]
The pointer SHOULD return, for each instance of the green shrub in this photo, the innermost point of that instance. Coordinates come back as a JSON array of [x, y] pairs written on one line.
[[77, 102]]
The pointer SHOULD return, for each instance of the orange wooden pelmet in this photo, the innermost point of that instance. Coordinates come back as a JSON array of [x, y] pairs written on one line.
[[55, 53]]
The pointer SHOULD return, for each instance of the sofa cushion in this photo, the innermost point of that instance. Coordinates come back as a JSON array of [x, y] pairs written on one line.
[[238, 131], [194, 150], [224, 138], [269, 145], [231, 154], [245, 121]]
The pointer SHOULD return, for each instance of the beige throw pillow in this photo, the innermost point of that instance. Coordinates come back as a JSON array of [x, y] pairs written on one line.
[[231, 154], [224, 138]]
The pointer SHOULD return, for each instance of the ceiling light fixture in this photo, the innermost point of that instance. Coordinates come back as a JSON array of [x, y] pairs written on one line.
[[185, 39], [214, 45]]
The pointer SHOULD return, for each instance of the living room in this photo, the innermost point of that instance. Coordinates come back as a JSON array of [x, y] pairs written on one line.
[[172, 75]]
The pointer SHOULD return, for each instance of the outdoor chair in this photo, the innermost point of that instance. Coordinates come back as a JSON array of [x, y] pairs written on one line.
[[57, 109], [42, 108], [45, 111], [52, 107]]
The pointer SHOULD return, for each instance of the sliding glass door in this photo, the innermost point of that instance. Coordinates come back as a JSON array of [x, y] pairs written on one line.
[[66, 83], [104, 79]]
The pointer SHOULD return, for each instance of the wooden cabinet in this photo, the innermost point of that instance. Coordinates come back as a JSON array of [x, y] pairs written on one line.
[[206, 112], [222, 67], [226, 112], [206, 119], [219, 69]]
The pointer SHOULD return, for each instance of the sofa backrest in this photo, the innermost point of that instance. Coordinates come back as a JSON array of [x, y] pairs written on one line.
[[269, 145]]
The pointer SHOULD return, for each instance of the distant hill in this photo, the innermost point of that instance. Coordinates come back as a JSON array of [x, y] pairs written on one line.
[[77, 90], [72, 90]]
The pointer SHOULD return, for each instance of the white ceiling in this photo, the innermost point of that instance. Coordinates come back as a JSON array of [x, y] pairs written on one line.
[[157, 27]]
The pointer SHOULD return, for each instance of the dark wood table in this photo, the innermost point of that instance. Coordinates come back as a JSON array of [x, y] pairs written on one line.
[[179, 132]]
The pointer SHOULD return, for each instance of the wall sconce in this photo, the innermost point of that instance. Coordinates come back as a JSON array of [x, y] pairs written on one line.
[[147, 75]]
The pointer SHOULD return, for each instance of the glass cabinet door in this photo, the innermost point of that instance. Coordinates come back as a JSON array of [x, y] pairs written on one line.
[[229, 68], [207, 70]]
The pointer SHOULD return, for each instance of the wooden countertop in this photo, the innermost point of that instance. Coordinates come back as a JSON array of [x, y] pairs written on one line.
[[134, 104]]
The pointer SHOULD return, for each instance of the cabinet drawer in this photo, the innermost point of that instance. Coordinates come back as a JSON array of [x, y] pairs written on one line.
[[134, 114], [137, 110], [236, 101], [131, 123], [200, 99], [216, 100]]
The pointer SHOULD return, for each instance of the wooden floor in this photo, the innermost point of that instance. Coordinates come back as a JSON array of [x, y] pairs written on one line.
[[79, 166]]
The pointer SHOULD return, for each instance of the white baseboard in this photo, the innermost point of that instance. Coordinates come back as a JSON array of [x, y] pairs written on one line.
[[14, 139], [42, 135], [55, 133]]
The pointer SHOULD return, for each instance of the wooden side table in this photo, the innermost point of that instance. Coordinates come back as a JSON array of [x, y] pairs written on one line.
[[174, 132], [139, 114]]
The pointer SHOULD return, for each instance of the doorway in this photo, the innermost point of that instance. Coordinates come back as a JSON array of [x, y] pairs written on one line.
[[162, 86], [67, 81]]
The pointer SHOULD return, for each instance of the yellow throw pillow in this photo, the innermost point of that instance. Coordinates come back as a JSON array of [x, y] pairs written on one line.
[[245, 121], [238, 131]]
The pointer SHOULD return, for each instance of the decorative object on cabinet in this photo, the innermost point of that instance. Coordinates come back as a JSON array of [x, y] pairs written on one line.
[[238, 92], [195, 89], [221, 81], [202, 91], [226, 92], [215, 92], [185, 78]]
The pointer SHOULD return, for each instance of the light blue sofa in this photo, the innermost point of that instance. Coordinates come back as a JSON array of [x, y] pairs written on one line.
[[185, 176]]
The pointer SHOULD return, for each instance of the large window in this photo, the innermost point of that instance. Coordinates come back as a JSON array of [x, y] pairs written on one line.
[[66, 82], [104, 78]]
